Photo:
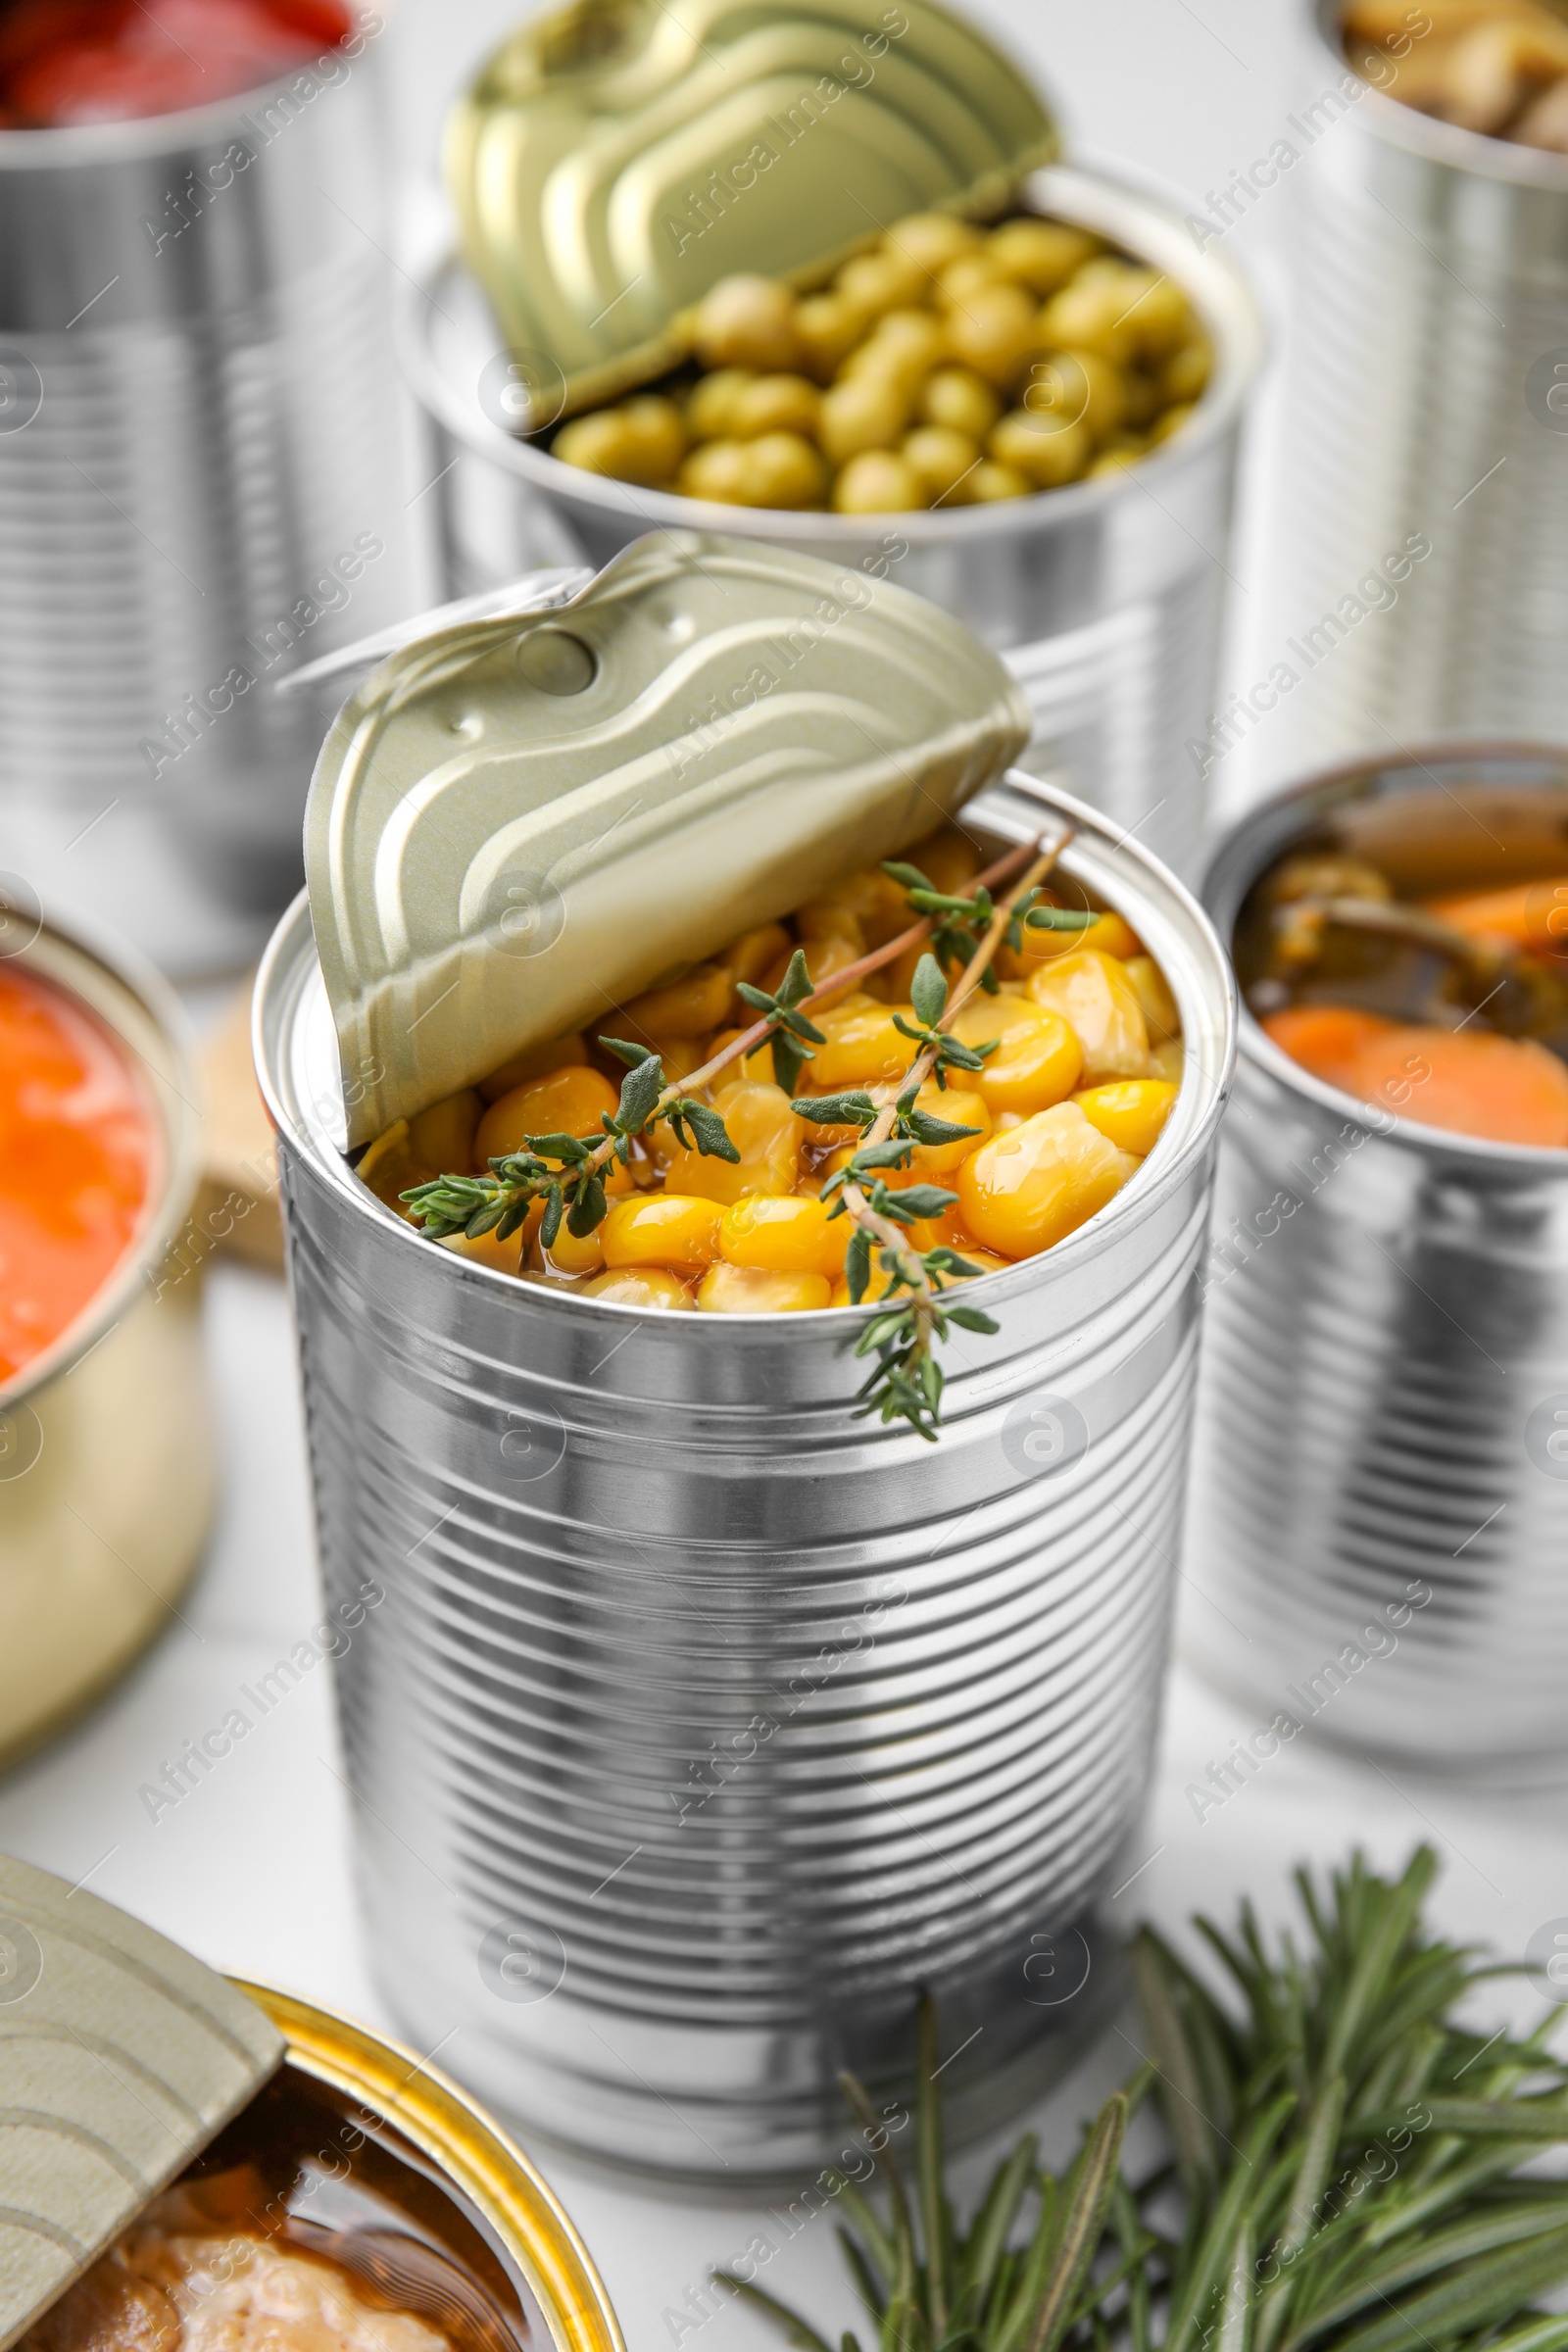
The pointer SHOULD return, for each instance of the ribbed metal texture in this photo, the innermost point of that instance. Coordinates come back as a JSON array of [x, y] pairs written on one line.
[[204, 492], [743, 1717], [1380, 1517], [1430, 303], [1106, 596]]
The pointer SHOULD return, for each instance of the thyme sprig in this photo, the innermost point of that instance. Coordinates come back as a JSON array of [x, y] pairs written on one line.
[[1345, 2170], [574, 1188], [906, 1378]]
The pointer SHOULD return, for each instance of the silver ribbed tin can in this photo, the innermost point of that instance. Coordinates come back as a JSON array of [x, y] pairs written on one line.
[[1380, 1489], [199, 489], [704, 1722], [1107, 597], [1418, 523]]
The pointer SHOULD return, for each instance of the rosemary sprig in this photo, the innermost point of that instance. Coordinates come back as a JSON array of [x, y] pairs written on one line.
[[929, 2286], [1348, 2176], [905, 1380]]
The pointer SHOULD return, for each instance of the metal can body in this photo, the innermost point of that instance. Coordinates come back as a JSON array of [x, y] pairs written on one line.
[[198, 490], [1379, 1519], [705, 1722], [1419, 523], [108, 1466], [1106, 596]]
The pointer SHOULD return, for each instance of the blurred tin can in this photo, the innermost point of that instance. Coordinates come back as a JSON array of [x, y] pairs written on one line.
[[1380, 1486], [1105, 597], [714, 1721], [108, 1457], [1425, 416], [199, 461]]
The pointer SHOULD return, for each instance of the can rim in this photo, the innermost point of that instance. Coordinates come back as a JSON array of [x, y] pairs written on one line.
[[139, 979], [1231, 870], [1475, 151], [136, 137], [1136, 1204], [486, 2163], [1231, 313]]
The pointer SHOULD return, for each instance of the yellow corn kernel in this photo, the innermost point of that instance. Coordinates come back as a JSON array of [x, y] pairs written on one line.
[[679, 1056], [1025, 1190], [1037, 1060], [861, 1046], [639, 1285], [688, 1008], [663, 1229], [766, 1134], [566, 1256], [823, 957], [569, 1101], [948, 1231], [506, 1258], [1160, 1016], [1130, 1110], [442, 1137], [935, 1163], [1168, 1061], [1094, 996], [753, 952], [948, 858], [792, 1236], [1108, 935], [534, 1061], [757, 1064], [752, 1291]]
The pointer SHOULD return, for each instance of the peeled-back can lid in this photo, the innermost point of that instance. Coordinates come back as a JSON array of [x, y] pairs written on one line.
[[516, 825], [614, 160], [121, 2057]]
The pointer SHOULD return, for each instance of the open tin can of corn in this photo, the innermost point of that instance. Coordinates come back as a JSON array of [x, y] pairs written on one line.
[[767, 291], [1420, 512], [729, 1716], [191, 2160], [1380, 1511], [107, 1467]]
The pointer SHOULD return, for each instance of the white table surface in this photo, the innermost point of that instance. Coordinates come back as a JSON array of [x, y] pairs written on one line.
[[251, 1869]]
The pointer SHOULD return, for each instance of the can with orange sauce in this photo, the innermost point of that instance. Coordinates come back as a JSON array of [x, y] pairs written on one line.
[[107, 1457]]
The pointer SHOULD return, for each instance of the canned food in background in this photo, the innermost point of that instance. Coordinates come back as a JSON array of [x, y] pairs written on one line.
[[1418, 521], [726, 1718], [1380, 1505], [1106, 596], [107, 1450], [199, 470]]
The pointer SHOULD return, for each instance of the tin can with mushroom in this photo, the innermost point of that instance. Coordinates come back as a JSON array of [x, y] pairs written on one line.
[[108, 1469], [704, 1721], [1379, 1489], [1106, 596], [186, 2151], [1418, 527]]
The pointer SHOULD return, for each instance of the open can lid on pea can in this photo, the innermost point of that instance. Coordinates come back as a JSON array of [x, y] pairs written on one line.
[[613, 161]]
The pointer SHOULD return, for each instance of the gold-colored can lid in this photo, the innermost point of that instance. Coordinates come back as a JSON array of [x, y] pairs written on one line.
[[614, 160], [121, 2058], [516, 823]]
